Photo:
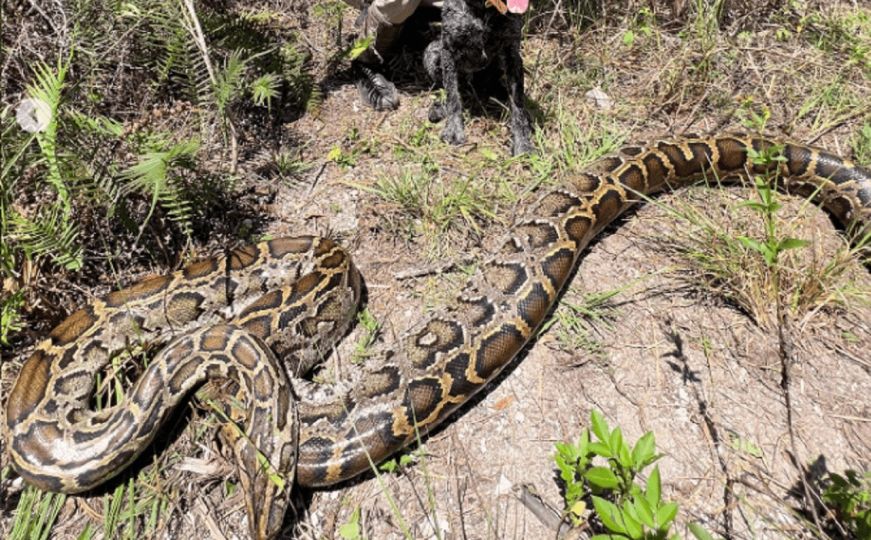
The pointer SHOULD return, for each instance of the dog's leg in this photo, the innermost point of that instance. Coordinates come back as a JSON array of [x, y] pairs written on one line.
[[432, 63], [521, 125], [454, 132]]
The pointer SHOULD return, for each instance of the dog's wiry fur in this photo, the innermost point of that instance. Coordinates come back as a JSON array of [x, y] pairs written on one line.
[[472, 37]]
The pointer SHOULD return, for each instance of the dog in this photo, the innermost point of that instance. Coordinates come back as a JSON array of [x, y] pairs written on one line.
[[474, 34]]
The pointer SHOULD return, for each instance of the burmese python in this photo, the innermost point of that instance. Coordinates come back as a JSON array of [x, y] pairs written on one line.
[[295, 296]]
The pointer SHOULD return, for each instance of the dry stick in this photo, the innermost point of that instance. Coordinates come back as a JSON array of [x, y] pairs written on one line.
[[192, 24]]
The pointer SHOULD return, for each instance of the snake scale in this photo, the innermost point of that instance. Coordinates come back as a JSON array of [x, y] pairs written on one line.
[[233, 317]]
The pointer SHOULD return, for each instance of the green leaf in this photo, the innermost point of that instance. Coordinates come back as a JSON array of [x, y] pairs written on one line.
[[750, 243], [632, 525], [665, 515], [654, 488], [359, 47], [791, 243], [615, 441], [643, 451], [601, 449], [600, 426], [624, 457], [389, 466], [644, 512], [351, 529], [628, 38], [754, 205], [700, 532], [602, 478], [609, 514], [746, 446]]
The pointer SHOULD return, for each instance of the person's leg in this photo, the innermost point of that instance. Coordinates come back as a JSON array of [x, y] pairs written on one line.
[[382, 21]]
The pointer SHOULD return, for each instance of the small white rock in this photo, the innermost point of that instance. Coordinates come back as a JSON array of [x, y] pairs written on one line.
[[600, 99], [503, 487]]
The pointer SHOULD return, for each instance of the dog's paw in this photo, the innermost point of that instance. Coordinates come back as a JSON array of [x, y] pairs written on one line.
[[437, 112], [454, 133], [522, 146]]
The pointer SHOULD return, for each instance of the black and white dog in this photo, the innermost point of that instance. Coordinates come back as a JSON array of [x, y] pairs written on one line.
[[474, 34]]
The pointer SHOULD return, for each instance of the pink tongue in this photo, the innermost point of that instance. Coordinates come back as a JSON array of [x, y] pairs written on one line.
[[518, 6]]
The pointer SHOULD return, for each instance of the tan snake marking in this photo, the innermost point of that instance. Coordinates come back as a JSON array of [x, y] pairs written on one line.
[[295, 296]]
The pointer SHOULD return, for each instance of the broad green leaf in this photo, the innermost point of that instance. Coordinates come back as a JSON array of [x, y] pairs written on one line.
[[791, 243], [602, 477], [755, 245], [665, 515], [644, 512], [746, 446], [754, 205], [609, 514], [600, 449], [700, 532], [631, 522], [600, 426], [351, 529], [643, 450], [654, 488], [615, 441], [628, 38]]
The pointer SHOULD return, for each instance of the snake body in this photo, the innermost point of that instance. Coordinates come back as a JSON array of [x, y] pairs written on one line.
[[224, 317]]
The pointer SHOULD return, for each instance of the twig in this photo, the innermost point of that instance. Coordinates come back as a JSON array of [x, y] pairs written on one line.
[[420, 272], [546, 514]]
